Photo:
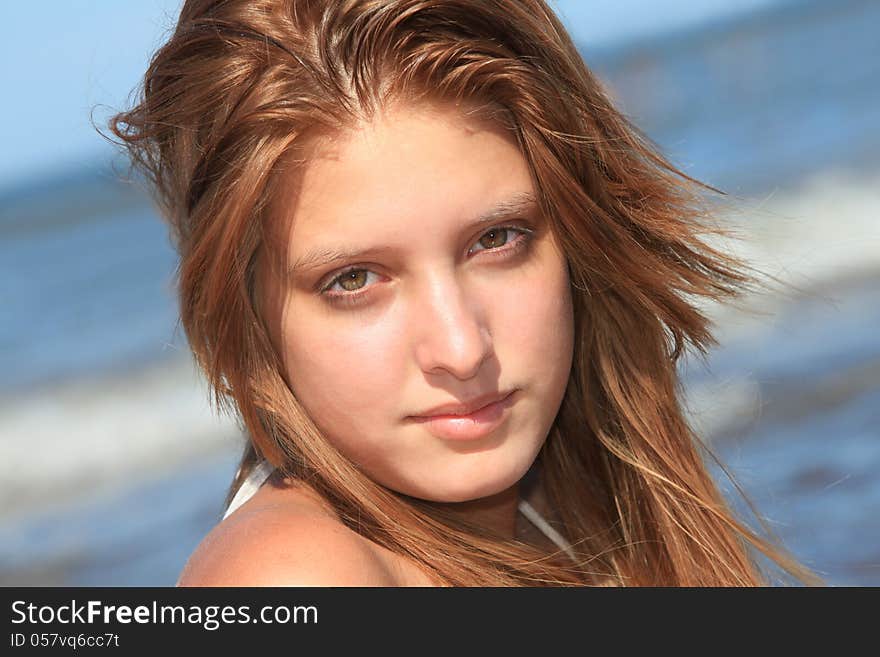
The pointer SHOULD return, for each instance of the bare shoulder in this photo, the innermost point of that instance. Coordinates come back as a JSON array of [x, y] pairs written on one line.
[[271, 543]]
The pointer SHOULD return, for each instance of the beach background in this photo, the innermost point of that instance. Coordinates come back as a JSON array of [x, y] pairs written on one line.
[[112, 464]]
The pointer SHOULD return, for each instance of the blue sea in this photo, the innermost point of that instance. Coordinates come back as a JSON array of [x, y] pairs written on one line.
[[113, 466]]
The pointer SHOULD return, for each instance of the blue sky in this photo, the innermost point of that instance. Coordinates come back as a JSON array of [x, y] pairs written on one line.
[[59, 59]]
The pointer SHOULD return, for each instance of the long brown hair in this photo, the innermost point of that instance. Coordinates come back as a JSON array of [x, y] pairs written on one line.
[[243, 84]]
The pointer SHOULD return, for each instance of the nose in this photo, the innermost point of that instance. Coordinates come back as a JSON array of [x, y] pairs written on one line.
[[451, 334]]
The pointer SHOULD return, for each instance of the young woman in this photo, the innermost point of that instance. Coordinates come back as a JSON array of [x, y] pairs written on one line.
[[445, 285]]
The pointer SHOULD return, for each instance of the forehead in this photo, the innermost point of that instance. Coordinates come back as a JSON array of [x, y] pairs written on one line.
[[407, 168]]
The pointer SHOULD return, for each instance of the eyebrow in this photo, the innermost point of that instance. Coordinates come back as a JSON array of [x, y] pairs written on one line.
[[518, 205]]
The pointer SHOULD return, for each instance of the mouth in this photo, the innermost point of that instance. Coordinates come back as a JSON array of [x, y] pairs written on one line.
[[463, 409], [476, 423]]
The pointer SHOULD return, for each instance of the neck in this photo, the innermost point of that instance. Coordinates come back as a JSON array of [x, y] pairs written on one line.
[[500, 511], [497, 512]]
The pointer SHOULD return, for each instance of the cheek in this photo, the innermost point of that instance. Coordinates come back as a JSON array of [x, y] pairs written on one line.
[[342, 378], [538, 319]]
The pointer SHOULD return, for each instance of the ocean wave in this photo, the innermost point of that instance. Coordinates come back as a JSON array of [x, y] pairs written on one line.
[[89, 434]]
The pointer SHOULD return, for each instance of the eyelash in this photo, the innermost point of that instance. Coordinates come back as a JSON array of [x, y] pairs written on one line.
[[509, 249]]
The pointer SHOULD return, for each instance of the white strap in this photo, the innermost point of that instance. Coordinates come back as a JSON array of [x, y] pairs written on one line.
[[538, 521], [249, 486]]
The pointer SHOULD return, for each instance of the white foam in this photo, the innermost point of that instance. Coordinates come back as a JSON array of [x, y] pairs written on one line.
[[828, 227], [81, 436], [825, 229]]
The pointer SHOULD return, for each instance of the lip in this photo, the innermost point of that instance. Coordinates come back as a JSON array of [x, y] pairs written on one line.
[[481, 417]]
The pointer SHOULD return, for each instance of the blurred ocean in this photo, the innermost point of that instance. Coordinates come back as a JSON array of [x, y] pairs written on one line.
[[112, 465]]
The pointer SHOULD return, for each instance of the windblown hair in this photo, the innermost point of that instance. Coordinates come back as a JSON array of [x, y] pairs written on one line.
[[242, 84]]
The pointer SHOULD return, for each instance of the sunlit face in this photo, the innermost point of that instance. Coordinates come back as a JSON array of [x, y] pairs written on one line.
[[453, 288]]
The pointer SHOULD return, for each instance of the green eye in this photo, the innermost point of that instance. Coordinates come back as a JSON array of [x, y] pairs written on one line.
[[494, 238], [350, 280], [353, 279]]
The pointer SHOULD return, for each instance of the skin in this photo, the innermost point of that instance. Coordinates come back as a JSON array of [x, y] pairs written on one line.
[[448, 311]]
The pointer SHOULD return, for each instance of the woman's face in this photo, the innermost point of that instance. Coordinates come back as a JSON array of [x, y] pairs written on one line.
[[415, 272]]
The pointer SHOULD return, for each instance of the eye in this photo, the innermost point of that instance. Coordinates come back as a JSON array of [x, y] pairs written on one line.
[[494, 238], [351, 280]]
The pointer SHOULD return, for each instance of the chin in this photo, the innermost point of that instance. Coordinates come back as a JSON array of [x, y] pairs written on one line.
[[475, 483]]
